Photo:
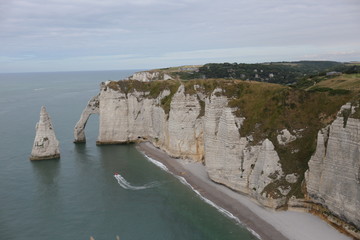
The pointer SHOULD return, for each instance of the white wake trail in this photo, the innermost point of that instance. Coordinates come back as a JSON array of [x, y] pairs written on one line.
[[126, 185]]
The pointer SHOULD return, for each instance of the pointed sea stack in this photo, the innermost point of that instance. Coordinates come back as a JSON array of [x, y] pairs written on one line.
[[46, 146]]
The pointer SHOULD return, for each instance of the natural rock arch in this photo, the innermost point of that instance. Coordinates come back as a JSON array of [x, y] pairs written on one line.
[[91, 108]]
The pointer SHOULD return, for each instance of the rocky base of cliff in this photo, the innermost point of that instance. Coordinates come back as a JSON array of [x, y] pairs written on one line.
[[55, 156], [340, 224]]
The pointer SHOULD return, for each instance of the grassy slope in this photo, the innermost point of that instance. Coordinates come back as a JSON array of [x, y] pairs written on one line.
[[344, 81]]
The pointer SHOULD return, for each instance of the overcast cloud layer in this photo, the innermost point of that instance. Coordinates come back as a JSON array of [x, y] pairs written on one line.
[[58, 35]]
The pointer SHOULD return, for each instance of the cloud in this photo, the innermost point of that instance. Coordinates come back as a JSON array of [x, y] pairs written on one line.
[[173, 31], [144, 61], [337, 56]]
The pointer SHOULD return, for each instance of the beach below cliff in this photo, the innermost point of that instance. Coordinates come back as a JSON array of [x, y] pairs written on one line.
[[268, 224]]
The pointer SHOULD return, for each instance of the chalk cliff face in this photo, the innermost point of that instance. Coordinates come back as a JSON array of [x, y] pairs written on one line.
[[149, 76], [132, 117], [333, 178], [231, 160], [203, 127], [46, 146]]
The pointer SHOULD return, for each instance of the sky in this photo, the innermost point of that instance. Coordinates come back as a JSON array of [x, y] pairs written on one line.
[[72, 35]]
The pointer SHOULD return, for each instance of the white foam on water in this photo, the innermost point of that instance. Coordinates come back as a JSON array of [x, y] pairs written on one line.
[[159, 164], [220, 209], [126, 185]]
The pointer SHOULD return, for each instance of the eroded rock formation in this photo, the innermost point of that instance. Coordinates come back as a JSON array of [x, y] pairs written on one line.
[[333, 178], [91, 108], [46, 146]]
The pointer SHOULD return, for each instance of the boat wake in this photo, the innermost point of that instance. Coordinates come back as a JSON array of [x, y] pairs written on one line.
[[126, 185]]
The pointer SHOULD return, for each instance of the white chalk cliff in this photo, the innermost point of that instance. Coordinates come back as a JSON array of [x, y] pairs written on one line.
[[204, 128], [46, 146], [146, 76], [333, 178]]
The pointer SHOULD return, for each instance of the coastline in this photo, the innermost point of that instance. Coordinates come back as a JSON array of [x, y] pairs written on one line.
[[268, 224]]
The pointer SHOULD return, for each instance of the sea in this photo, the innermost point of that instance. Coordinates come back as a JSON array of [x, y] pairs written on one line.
[[78, 196]]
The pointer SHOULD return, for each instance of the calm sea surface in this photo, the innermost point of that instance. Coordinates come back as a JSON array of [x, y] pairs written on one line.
[[77, 196]]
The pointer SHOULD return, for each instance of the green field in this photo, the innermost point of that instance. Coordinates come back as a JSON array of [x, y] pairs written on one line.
[[345, 81]]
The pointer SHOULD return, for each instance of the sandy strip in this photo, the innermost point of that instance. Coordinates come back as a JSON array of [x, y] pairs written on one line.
[[270, 225]]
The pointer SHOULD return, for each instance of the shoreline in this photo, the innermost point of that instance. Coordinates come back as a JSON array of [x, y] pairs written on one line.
[[266, 223]]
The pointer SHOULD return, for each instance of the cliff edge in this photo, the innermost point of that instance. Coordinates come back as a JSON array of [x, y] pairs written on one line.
[[333, 177]]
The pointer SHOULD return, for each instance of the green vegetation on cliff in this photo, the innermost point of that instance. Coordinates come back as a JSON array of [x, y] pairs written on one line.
[[300, 74], [148, 89], [277, 72], [349, 82]]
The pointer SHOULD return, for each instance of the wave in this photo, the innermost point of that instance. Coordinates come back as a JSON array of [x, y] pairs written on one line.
[[126, 185], [211, 203], [159, 164]]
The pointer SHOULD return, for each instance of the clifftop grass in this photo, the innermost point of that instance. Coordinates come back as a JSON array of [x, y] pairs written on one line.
[[349, 82], [149, 89]]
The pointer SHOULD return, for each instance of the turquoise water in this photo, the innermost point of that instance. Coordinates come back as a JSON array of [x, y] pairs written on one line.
[[77, 196]]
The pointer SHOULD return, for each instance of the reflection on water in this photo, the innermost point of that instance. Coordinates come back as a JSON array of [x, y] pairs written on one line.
[[80, 148], [46, 173], [47, 199]]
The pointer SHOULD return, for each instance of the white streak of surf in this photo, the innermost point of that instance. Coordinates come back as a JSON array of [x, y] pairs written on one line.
[[211, 203], [159, 164], [126, 185]]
